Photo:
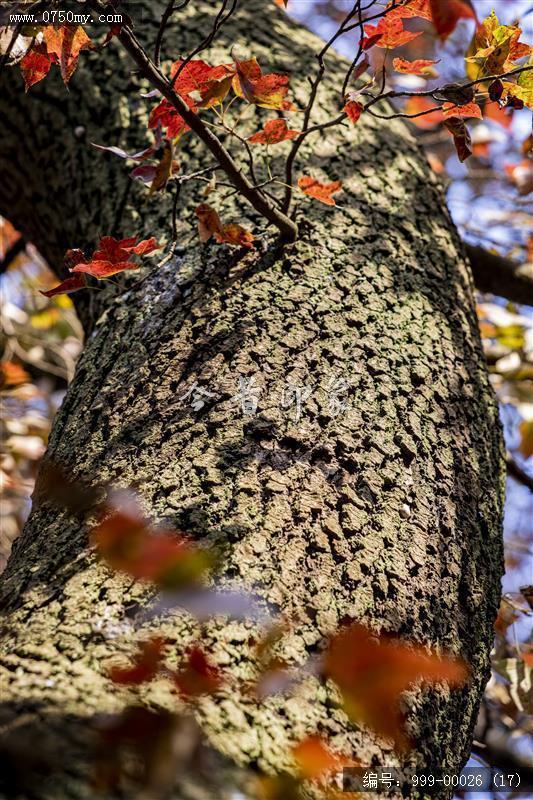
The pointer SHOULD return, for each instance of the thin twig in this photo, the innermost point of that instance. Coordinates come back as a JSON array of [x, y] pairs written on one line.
[[170, 9], [220, 20], [153, 74]]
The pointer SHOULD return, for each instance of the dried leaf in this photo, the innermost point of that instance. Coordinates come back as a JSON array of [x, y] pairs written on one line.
[[209, 224], [461, 137]]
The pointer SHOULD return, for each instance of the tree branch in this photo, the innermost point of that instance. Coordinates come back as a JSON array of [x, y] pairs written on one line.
[[17, 247], [502, 276], [259, 201], [495, 752], [514, 470]]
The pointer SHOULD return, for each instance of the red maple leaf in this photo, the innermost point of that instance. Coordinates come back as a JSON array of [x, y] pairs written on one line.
[[68, 286], [169, 118], [353, 110], [194, 76], [445, 14], [35, 66], [197, 676], [466, 110], [274, 131], [114, 255], [60, 46], [128, 544], [390, 31], [267, 91]]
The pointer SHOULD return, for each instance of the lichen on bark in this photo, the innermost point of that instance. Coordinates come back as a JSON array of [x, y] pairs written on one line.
[[389, 512]]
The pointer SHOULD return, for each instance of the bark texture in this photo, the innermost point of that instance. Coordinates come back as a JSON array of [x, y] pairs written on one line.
[[389, 513]]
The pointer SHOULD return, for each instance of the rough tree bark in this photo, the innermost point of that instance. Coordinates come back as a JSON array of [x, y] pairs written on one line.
[[389, 513]]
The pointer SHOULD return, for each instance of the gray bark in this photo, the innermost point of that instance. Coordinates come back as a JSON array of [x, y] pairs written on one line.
[[389, 513]]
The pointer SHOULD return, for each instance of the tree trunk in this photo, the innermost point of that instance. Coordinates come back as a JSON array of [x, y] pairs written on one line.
[[389, 512]]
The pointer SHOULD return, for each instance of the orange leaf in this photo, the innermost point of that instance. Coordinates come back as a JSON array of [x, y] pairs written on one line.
[[418, 67], [145, 664], [468, 110], [274, 131], [234, 234], [319, 191], [391, 32], [66, 44], [372, 672], [413, 8], [126, 542], [12, 374], [353, 110], [423, 112], [496, 113], [315, 760]]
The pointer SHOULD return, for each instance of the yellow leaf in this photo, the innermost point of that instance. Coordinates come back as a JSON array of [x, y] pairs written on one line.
[[45, 320], [63, 301], [495, 48]]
